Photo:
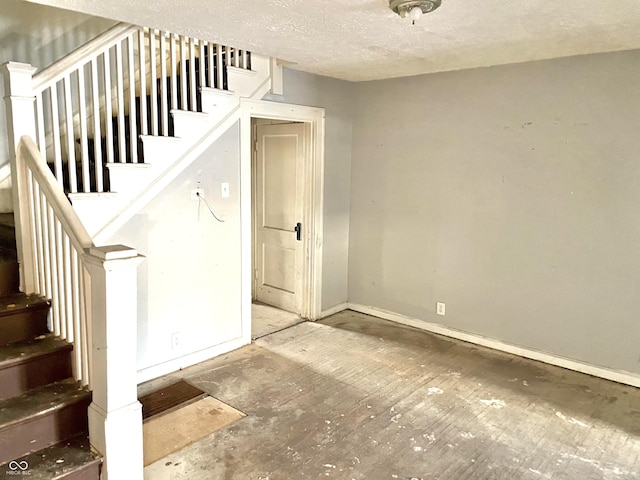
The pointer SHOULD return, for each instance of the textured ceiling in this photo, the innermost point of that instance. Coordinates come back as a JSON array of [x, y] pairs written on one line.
[[364, 40]]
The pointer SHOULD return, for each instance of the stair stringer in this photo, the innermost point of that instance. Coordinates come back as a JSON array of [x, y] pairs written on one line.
[[103, 214]]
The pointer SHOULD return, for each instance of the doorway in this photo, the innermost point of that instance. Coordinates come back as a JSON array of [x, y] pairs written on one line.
[[280, 153], [288, 252]]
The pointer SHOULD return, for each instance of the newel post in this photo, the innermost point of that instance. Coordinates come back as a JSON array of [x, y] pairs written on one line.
[[115, 415], [21, 120]]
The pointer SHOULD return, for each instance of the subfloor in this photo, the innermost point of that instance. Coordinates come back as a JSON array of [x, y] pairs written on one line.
[[354, 397], [266, 319]]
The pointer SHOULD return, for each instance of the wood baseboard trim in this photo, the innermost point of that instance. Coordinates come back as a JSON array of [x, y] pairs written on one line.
[[333, 310], [180, 363], [619, 376]]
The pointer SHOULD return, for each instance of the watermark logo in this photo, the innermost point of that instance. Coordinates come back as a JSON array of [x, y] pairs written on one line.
[[18, 468]]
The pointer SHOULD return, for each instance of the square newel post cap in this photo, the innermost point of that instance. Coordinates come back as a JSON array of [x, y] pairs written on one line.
[[114, 252], [19, 76]]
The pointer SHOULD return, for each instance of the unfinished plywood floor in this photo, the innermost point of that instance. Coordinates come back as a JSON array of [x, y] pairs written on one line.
[[355, 397]]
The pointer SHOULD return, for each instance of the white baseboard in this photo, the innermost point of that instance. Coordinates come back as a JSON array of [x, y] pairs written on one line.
[[620, 376], [333, 310], [189, 360]]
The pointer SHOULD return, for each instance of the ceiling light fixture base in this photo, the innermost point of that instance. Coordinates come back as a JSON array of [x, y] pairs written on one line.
[[404, 7]]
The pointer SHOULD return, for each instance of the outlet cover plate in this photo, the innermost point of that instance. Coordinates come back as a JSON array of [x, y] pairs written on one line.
[[440, 308]]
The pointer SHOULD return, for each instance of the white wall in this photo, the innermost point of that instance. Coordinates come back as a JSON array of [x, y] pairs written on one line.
[[509, 193], [336, 97], [190, 280], [40, 36]]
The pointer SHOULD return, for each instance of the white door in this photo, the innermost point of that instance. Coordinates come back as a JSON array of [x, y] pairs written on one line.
[[278, 248]]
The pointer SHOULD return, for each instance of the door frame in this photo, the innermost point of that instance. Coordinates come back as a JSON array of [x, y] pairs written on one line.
[[313, 204]]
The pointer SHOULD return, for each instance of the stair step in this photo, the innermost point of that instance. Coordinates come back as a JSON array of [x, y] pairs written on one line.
[[43, 417], [33, 364], [9, 272], [22, 317], [70, 460]]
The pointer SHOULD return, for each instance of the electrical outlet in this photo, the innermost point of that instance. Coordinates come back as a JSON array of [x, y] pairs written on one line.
[[176, 341], [440, 308], [224, 189], [197, 193]]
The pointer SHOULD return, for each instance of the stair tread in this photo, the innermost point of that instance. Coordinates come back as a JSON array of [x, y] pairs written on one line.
[[20, 352], [40, 402], [75, 453], [20, 301]]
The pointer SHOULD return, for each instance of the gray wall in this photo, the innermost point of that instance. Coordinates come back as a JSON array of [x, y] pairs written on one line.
[[40, 36], [336, 97], [510, 193]]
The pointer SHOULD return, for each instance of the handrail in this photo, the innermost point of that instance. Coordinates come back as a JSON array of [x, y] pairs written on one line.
[[70, 62], [58, 200]]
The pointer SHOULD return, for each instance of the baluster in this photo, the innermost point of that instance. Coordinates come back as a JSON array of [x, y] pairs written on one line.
[[244, 59], [39, 250], [192, 74], [202, 62], [85, 326], [71, 142], [227, 56], [212, 82], [66, 285], [122, 149], [77, 314], [248, 60], [133, 136], [174, 69], [42, 140], [219, 66], [108, 107], [32, 194], [97, 136], [183, 74], [144, 128], [163, 84], [236, 57], [47, 238], [58, 286], [154, 87], [82, 102], [46, 249], [55, 126]]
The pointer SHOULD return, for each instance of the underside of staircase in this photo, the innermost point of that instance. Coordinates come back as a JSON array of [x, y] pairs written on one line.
[[43, 411]]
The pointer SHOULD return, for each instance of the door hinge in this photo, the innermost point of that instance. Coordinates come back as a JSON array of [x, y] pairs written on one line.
[[256, 273]]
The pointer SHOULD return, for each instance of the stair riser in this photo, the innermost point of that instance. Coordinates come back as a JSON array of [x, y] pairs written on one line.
[[37, 372], [189, 126], [23, 324], [88, 472], [9, 278], [44, 431]]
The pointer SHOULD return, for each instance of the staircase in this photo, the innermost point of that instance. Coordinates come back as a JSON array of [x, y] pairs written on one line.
[[119, 119], [97, 136], [43, 410]]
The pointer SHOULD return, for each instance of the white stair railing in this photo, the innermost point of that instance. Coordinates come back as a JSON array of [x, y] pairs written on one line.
[[92, 106], [93, 294]]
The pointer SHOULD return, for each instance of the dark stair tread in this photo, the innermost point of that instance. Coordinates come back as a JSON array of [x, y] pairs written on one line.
[[76, 455], [21, 352], [40, 402], [19, 301]]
